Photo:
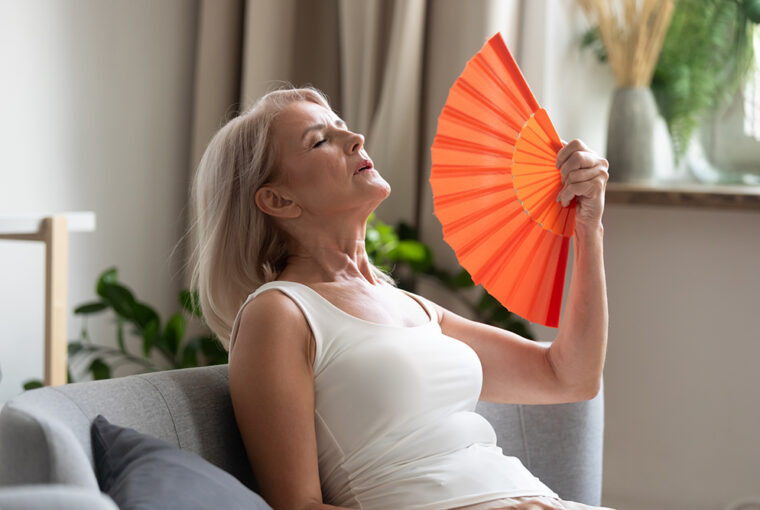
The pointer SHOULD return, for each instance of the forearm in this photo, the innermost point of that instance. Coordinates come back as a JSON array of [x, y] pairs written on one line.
[[578, 352]]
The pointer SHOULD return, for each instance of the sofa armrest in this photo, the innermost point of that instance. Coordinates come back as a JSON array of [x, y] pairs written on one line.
[[561, 444], [53, 497]]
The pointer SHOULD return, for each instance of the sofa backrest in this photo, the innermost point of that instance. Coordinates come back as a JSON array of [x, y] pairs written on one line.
[[50, 426]]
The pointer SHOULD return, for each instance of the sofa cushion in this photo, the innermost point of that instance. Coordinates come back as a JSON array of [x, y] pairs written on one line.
[[140, 471]]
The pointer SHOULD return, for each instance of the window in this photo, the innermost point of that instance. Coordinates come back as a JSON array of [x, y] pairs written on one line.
[[752, 97], [732, 139]]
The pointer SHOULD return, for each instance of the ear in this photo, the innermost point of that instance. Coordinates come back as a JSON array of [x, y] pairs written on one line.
[[274, 202]]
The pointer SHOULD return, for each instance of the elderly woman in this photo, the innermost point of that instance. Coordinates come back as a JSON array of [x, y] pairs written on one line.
[[349, 392]]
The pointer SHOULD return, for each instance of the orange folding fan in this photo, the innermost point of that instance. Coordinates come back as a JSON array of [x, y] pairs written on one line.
[[495, 184]]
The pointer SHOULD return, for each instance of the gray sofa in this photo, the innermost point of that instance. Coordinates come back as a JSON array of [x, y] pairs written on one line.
[[45, 435]]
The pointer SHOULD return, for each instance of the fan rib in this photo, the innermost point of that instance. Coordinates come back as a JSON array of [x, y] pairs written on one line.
[[497, 43], [537, 131], [527, 283], [546, 125], [451, 143], [537, 172], [547, 249], [443, 171], [462, 196], [549, 163], [502, 255], [453, 114], [530, 189], [516, 100], [466, 221], [476, 241], [520, 264], [540, 214], [567, 225], [532, 145], [516, 122], [555, 303]]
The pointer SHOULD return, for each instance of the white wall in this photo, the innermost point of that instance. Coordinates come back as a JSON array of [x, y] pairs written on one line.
[[682, 371], [682, 408], [96, 113]]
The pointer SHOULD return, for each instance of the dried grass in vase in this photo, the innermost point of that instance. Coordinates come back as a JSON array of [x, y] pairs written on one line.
[[632, 32]]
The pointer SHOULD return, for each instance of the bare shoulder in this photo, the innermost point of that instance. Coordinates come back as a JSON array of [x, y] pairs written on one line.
[[271, 322], [270, 366]]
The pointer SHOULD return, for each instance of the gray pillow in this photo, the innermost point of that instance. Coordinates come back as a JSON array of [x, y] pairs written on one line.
[[142, 472]]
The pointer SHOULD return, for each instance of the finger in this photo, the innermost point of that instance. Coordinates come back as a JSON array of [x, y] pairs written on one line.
[[579, 159], [569, 148], [586, 174], [586, 189]]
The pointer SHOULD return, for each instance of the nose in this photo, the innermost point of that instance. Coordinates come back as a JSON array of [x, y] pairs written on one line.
[[354, 142]]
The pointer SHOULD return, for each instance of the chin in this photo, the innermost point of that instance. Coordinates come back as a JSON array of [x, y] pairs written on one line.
[[379, 194], [384, 191], [383, 184]]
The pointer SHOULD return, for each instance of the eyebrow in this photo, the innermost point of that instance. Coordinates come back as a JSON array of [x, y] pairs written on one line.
[[321, 125]]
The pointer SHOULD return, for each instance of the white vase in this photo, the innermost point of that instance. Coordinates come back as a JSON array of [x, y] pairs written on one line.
[[638, 142]]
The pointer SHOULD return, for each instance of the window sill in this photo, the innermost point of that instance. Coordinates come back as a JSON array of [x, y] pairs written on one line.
[[712, 196]]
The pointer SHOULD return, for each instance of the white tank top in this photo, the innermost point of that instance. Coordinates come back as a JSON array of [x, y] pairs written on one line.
[[395, 414]]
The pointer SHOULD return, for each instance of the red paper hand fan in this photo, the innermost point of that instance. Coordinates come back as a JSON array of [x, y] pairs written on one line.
[[495, 184]]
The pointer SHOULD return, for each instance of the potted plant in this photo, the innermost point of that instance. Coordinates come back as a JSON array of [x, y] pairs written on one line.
[[705, 57], [632, 34]]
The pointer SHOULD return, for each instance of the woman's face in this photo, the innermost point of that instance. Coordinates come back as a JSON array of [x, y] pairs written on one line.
[[322, 165]]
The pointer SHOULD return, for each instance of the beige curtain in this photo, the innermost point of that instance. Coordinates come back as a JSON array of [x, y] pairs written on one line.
[[386, 66]]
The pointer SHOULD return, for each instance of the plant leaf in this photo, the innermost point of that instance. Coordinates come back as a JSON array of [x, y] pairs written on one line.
[[92, 307], [213, 350], [100, 370], [107, 277], [74, 347], [120, 334], [173, 333], [705, 57], [32, 384], [405, 231], [190, 354], [149, 335], [120, 298], [487, 302], [462, 280], [411, 251], [144, 314]]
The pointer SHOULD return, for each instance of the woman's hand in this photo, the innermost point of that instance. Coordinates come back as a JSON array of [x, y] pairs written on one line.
[[584, 175]]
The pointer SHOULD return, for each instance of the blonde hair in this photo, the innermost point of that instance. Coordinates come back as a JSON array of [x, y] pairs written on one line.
[[237, 246]]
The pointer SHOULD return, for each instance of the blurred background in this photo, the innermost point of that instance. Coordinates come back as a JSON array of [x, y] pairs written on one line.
[[107, 106]]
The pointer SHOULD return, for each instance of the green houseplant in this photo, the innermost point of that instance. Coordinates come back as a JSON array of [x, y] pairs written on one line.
[[137, 321], [706, 56]]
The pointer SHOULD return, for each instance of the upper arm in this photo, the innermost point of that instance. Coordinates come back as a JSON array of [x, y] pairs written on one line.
[[272, 390], [516, 370]]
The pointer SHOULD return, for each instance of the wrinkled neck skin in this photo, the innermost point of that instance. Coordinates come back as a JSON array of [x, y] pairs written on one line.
[[328, 249]]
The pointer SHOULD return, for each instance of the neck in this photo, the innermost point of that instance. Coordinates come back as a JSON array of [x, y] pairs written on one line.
[[329, 252]]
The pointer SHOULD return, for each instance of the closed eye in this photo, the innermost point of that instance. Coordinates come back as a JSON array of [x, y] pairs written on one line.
[[319, 143]]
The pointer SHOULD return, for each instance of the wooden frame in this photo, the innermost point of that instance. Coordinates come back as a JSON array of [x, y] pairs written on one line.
[[53, 231]]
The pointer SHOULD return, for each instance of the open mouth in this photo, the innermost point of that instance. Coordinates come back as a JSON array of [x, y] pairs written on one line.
[[366, 165]]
